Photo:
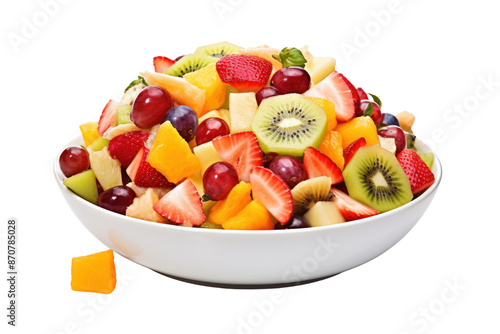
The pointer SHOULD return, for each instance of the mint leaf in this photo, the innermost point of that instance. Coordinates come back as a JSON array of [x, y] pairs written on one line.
[[376, 99], [368, 110], [291, 57], [138, 81]]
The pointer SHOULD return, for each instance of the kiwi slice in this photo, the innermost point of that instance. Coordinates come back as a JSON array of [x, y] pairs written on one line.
[[309, 192], [218, 50], [190, 63], [123, 114], [410, 141], [374, 177], [288, 124]]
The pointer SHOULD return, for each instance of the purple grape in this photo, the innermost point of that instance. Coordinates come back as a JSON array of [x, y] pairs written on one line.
[[294, 222], [291, 80], [289, 168], [116, 199], [184, 120], [266, 92], [390, 119]]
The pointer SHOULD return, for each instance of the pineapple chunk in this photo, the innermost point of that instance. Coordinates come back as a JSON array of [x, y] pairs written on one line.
[[388, 143], [139, 191], [319, 68], [142, 207], [210, 114], [324, 213], [242, 108], [225, 115], [107, 170], [207, 154]]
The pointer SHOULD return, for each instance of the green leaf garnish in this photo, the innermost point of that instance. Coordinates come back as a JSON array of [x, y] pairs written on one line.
[[205, 198], [376, 99], [138, 81], [368, 110], [291, 57]]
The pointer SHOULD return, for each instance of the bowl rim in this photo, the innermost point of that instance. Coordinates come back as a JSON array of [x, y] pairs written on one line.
[[437, 170]]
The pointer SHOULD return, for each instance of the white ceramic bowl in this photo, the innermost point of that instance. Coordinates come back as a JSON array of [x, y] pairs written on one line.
[[249, 259]]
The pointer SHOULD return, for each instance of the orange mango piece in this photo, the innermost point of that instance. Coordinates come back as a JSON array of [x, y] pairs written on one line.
[[229, 207], [329, 107], [208, 79], [254, 216], [94, 273], [356, 128], [331, 146], [172, 156], [89, 132]]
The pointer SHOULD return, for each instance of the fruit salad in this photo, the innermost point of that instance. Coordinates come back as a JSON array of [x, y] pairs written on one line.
[[247, 139]]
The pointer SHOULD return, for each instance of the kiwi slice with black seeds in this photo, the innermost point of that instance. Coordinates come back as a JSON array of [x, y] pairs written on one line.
[[309, 192], [190, 63], [218, 50], [374, 177], [288, 124]]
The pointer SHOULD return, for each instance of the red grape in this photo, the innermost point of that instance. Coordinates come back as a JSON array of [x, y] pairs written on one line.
[[291, 80], [266, 92], [116, 199], [184, 120], [74, 160], [393, 131], [150, 107], [289, 168], [211, 128], [219, 179], [376, 112], [268, 158], [294, 222]]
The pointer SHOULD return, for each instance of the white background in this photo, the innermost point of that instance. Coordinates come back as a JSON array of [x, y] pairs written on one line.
[[428, 57]]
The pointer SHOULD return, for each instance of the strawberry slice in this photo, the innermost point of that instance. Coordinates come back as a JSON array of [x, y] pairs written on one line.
[[341, 92], [162, 64], [271, 191], [317, 164], [353, 148], [108, 117], [245, 73], [419, 174], [350, 208], [182, 205], [241, 150], [125, 147], [143, 174]]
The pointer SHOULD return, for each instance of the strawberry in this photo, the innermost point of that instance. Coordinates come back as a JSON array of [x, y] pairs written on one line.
[[108, 117], [182, 205], [341, 92], [350, 208], [317, 164], [241, 150], [143, 174], [245, 73], [271, 191], [419, 174], [352, 149], [125, 147], [162, 64]]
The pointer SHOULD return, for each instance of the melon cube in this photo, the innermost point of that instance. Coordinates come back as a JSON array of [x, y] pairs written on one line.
[[242, 108]]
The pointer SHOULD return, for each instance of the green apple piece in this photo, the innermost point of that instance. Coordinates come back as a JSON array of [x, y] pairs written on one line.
[[84, 185], [107, 170], [242, 108], [324, 213], [98, 144], [123, 114], [428, 159], [207, 155]]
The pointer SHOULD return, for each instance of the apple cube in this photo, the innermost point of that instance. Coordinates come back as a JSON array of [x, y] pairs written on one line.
[[324, 213], [107, 170], [242, 108]]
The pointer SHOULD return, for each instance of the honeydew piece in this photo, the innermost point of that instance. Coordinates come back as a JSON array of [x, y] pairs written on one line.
[[324, 213], [84, 185]]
